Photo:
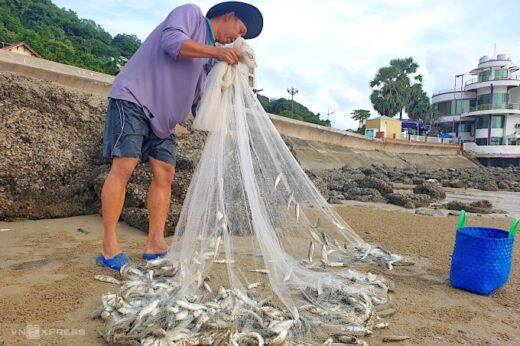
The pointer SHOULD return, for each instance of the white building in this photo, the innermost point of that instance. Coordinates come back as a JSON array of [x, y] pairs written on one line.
[[485, 111]]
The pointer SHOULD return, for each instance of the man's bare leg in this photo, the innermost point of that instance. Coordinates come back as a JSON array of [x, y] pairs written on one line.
[[158, 205], [112, 200]]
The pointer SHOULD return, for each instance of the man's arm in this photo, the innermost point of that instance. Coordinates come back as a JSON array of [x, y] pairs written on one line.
[[176, 37], [192, 49]]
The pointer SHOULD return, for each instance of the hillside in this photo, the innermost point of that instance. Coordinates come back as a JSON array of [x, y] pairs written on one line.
[[60, 35]]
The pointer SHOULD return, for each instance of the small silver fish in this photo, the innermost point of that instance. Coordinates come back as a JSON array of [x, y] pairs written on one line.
[[223, 261], [297, 211], [277, 180], [315, 236], [288, 275], [217, 245], [262, 271], [106, 278], [311, 251], [207, 287], [290, 201], [339, 226], [317, 224], [254, 285], [324, 254]]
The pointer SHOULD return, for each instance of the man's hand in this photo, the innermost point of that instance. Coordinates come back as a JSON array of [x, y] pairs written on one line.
[[192, 49], [230, 55]]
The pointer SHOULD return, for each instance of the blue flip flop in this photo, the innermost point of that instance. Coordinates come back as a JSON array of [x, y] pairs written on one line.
[[149, 256], [114, 263]]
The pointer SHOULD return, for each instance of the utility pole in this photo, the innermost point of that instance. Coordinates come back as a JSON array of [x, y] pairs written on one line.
[[330, 113], [293, 91]]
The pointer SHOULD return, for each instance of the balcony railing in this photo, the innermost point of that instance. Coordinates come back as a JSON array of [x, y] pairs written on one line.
[[482, 80], [488, 107], [447, 91]]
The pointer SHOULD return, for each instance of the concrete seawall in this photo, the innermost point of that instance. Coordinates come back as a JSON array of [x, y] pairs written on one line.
[[99, 84], [74, 77]]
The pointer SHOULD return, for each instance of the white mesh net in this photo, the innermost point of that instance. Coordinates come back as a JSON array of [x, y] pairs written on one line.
[[259, 256], [253, 211]]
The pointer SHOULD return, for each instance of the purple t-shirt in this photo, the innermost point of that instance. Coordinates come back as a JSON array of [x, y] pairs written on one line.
[[157, 79]]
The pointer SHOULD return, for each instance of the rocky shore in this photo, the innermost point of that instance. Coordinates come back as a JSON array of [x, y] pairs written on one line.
[[51, 164], [378, 184]]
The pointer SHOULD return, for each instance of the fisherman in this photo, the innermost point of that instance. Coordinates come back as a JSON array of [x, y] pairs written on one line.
[[154, 92]]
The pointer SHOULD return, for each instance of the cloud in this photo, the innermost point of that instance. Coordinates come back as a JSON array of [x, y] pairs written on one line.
[[330, 50]]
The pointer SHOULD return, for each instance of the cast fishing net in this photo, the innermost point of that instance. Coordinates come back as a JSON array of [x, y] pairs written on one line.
[[259, 256]]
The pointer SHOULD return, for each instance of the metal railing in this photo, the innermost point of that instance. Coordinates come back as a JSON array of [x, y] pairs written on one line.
[[447, 91], [482, 80], [489, 106]]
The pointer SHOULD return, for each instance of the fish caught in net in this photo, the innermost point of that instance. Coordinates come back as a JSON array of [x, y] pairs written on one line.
[[259, 257]]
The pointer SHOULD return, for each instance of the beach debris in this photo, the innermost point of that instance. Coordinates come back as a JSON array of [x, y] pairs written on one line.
[[29, 264], [395, 338], [5, 229], [81, 230]]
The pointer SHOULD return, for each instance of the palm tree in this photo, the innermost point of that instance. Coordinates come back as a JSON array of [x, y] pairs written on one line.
[[360, 115], [392, 86]]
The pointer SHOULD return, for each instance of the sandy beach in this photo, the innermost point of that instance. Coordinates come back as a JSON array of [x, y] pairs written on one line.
[[47, 269]]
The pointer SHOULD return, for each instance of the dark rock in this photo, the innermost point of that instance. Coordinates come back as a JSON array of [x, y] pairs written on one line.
[[400, 199], [418, 181], [503, 185], [371, 182], [481, 207], [482, 204], [349, 185], [420, 200], [333, 200], [318, 182], [136, 217], [488, 185], [368, 195], [335, 186], [456, 205], [50, 143], [136, 196], [432, 190], [456, 183]]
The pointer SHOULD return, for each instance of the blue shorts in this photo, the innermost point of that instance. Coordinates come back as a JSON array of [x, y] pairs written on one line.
[[128, 134]]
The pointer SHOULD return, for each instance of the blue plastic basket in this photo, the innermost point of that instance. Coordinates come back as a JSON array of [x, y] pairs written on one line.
[[481, 260]]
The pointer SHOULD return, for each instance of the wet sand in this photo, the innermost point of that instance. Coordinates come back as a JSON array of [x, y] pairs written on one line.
[[47, 269]]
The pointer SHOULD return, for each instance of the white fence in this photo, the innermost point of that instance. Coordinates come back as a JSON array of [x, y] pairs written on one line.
[[426, 139]]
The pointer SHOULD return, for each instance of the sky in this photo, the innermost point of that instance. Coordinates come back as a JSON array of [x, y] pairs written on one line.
[[330, 50]]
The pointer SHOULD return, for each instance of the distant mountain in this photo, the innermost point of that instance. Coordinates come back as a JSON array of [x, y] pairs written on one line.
[[286, 108], [59, 35]]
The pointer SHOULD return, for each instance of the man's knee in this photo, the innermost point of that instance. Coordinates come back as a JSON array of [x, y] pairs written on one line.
[[163, 172], [122, 167]]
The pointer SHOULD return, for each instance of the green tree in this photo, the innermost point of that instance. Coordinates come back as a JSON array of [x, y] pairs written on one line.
[[127, 44], [419, 106], [360, 115], [59, 35], [264, 101], [391, 87]]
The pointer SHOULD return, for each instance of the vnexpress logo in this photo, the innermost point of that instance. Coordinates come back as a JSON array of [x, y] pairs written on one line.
[[32, 332]]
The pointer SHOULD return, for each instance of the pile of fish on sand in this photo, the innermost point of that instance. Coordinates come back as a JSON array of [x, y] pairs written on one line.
[[149, 308]]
